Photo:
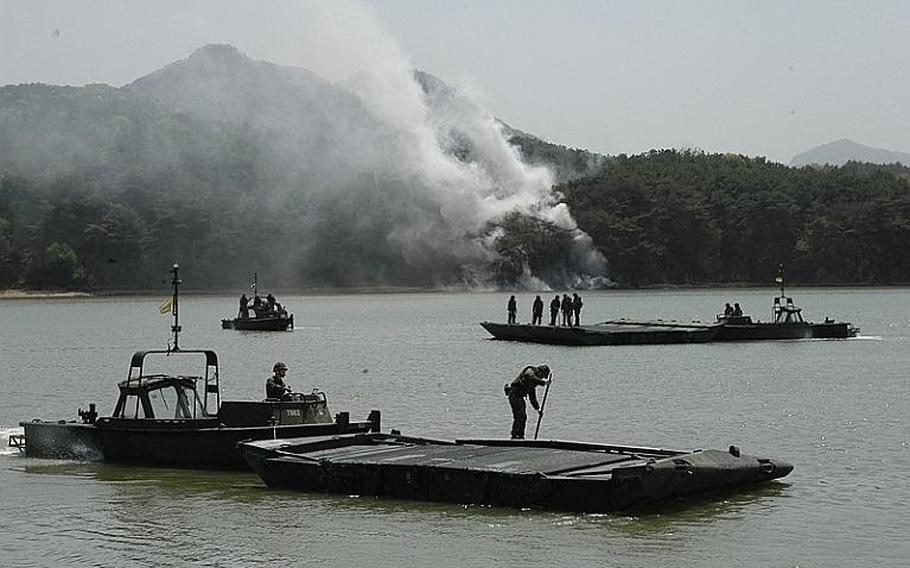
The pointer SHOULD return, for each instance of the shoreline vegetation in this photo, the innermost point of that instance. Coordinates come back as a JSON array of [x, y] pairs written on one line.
[[26, 294]]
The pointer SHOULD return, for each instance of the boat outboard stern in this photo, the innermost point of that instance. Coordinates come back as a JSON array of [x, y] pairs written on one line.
[[61, 440]]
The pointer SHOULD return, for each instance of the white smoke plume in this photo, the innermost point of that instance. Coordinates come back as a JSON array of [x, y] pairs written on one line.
[[443, 142]]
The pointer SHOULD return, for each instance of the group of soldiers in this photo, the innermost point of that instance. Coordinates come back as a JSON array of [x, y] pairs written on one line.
[[569, 307], [733, 310], [261, 309]]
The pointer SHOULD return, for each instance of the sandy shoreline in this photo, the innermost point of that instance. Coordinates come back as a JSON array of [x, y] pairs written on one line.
[[21, 294]]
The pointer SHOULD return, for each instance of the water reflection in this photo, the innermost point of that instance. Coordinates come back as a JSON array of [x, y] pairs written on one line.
[[701, 509], [150, 488]]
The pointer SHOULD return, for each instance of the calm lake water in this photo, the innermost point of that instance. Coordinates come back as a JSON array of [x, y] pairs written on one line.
[[837, 409]]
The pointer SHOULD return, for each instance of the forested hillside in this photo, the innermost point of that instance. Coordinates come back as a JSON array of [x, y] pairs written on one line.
[[231, 165], [690, 218]]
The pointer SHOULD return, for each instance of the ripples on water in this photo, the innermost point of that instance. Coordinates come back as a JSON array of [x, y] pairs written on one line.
[[837, 409]]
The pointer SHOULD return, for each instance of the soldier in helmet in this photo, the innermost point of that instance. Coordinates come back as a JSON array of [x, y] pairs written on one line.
[[525, 385], [275, 387]]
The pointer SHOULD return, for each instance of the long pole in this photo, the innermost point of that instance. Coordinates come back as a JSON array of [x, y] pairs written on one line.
[[175, 307], [542, 406], [780, 278]]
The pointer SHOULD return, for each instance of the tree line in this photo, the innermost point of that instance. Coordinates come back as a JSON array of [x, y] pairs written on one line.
[[686, 217]]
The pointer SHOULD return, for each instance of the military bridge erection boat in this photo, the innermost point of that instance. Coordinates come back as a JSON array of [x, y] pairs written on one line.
[[786, 323], [180, 420], [539, 474]]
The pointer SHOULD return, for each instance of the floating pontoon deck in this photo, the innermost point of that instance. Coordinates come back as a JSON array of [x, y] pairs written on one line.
[[539, 474]]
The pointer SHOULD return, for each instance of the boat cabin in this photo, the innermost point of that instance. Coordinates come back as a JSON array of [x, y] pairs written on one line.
[[160, 396], [186, 398], [311, 408], [734, 320]]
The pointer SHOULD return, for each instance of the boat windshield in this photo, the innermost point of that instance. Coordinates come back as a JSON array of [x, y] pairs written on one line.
[[173, 403], [160, 397]]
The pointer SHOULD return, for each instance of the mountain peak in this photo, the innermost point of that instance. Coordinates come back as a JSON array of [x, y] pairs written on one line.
[[221, 52], [841, 151]]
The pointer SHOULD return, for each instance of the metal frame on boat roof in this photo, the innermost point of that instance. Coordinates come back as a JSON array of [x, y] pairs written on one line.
[[783, 310], [211, 376]]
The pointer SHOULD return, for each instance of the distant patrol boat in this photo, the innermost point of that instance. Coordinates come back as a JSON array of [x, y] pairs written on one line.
[[266, 317]]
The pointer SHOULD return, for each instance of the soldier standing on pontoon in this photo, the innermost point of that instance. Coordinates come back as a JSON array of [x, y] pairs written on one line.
[[554, 310], [513, 309], [525, 385], [566, 310], [537, 311], [576, 308]]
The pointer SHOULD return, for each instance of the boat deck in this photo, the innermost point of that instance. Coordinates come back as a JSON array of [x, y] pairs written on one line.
[[511, 460], [611, 332]]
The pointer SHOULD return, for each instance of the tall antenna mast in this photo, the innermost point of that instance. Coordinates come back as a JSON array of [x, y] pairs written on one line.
[[780, 278], [175, 307]]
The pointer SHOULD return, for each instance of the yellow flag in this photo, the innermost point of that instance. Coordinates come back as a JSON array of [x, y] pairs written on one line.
[[166, 306]]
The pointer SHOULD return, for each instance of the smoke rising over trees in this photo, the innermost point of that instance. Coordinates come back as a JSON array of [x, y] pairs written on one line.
[[233, 165]]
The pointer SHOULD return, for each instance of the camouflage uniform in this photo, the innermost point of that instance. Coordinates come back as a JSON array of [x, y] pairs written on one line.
[[525, 385], [275, 387]]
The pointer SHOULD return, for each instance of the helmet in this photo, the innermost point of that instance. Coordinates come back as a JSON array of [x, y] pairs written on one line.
[[279, 365], [543, 370]]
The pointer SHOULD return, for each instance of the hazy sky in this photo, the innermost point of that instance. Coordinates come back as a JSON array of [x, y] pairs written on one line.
[[759, 78]]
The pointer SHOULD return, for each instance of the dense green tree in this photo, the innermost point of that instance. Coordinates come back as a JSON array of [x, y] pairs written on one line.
[[58, 267], [527, 245]]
